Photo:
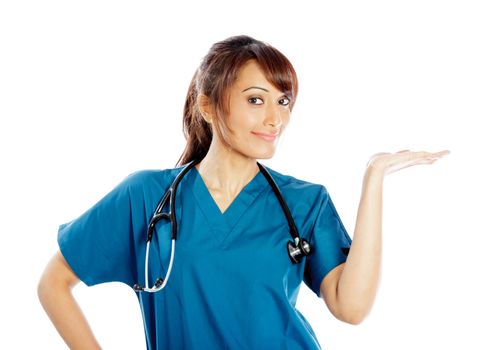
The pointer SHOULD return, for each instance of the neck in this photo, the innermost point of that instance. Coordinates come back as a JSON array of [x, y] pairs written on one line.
[[225, 170]]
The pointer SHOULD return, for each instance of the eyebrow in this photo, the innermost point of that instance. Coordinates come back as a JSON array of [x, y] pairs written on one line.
[[255, 87]]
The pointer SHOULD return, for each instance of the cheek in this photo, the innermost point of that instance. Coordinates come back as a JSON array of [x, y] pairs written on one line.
[[286, 121], [241, 122], [286, 118]]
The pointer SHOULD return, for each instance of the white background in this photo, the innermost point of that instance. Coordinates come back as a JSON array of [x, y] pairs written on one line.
[[91, 91]]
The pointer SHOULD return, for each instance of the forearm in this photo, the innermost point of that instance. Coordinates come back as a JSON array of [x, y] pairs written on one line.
[[66, 315], [359, 279]]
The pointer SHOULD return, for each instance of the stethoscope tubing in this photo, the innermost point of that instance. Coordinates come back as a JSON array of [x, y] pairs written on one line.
[[170, 266], [300, 247]]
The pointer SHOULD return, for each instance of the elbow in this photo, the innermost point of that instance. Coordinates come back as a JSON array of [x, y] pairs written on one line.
[[57, 277], [353, 316], [355, 320], [50, 291], [354, 309], [50, 286], [43, 289]]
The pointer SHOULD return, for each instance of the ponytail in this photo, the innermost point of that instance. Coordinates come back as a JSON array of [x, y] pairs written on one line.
[[196, 130]]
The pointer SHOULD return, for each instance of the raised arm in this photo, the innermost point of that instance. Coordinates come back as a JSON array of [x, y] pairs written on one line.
[[349, 290], [55, 294]]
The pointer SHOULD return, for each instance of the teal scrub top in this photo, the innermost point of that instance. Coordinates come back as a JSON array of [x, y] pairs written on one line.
[[232, 284]]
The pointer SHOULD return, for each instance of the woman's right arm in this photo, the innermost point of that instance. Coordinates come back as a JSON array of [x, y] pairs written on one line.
[[55, 294]]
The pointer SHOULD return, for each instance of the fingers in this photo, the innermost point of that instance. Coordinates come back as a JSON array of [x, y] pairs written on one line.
[[442, 153], [428, 155], [437, 155], [426, 161]]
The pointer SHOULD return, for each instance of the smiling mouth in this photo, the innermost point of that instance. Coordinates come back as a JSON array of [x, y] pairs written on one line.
[[267, 137]]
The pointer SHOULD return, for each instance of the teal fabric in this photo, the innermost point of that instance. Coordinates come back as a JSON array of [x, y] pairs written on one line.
[[232, 284]]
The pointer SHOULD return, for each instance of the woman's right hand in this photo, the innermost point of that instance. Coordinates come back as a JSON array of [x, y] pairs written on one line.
[[55, 294]]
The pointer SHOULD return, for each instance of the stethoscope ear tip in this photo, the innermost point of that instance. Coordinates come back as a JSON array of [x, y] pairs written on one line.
[[138, 288], [159, 282]]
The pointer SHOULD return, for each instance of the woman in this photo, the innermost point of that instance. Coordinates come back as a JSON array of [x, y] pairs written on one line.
[[234, 282]]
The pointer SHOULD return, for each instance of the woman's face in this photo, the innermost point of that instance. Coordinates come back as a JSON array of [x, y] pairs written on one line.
[[258, 113]]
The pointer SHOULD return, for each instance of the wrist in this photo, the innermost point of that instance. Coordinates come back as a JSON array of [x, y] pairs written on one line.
[[374, 173]]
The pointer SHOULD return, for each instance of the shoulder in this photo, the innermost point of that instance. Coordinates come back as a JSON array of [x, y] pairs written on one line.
[[150, 178], [299, 188]]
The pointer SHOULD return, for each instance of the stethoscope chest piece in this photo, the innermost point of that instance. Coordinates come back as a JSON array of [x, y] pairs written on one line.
[[297, 249]]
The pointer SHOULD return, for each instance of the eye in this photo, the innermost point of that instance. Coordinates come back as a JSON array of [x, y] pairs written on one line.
[[285, 99], [255, 98]]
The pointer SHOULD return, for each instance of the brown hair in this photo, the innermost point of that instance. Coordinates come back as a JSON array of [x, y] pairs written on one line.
[[216, 74]]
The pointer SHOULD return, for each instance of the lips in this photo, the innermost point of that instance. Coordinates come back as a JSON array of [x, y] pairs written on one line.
[[266, 136]]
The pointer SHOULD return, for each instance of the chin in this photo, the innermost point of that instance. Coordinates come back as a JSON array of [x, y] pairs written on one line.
[[264, 155], [257, 152]]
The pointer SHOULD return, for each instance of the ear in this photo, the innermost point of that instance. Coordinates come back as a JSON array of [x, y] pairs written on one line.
[[205, 107]]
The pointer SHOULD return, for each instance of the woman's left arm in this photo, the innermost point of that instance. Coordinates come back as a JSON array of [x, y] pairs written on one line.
[[349, 290]]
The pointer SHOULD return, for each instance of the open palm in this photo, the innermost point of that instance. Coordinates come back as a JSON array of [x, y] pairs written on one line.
[[391, 162]]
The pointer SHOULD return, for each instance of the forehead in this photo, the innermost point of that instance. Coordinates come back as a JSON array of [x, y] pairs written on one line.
[[252, 75]]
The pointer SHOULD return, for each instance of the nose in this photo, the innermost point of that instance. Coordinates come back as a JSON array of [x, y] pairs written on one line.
[[274, 116]]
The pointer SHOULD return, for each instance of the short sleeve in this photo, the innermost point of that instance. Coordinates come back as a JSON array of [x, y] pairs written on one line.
[[98, 245], [330, 243]]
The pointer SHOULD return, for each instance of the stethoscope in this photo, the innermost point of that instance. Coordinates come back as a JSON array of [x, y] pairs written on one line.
[[297, 248]]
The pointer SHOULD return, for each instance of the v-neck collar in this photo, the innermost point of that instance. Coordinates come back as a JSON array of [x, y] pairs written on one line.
[[225, 222]]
